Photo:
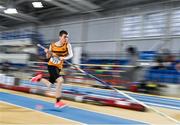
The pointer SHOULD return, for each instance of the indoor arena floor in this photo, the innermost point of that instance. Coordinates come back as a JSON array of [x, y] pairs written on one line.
[[23, 108]]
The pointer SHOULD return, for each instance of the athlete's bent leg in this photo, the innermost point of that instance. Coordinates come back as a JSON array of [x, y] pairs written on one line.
[[46, 82], [59, 82], [39, 78]]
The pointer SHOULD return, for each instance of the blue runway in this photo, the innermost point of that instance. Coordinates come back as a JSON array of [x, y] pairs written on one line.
[[150, 100], [83, 116]]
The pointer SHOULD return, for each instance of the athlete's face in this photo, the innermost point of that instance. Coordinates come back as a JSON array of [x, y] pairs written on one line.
[[63, 38]]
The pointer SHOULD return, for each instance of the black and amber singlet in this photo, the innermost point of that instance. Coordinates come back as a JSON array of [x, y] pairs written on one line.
[[60, 51]]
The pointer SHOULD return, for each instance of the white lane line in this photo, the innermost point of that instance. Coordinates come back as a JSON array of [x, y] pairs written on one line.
[[42, 112]]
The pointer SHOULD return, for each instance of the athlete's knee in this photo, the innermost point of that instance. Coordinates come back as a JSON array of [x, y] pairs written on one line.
[[60, 79]]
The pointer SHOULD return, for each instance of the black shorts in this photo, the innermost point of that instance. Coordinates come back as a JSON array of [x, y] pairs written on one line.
[[53, 73]]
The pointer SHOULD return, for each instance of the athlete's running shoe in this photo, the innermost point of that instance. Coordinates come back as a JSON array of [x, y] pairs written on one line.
[[60, 104], [36, 78]]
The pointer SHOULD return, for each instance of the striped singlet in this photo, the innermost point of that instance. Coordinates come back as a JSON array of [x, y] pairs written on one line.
[[60, 51]]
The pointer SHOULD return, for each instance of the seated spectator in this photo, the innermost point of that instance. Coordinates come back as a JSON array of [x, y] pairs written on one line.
[[165, 60], [159, 63]]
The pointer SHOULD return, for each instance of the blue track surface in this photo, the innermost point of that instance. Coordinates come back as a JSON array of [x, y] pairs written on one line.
[[83, 116], [151, 100]]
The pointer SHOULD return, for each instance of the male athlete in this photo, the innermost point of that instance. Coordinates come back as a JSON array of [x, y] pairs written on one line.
[[57, 53]]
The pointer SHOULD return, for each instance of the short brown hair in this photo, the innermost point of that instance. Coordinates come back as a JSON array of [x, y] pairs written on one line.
[[63, 32]]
